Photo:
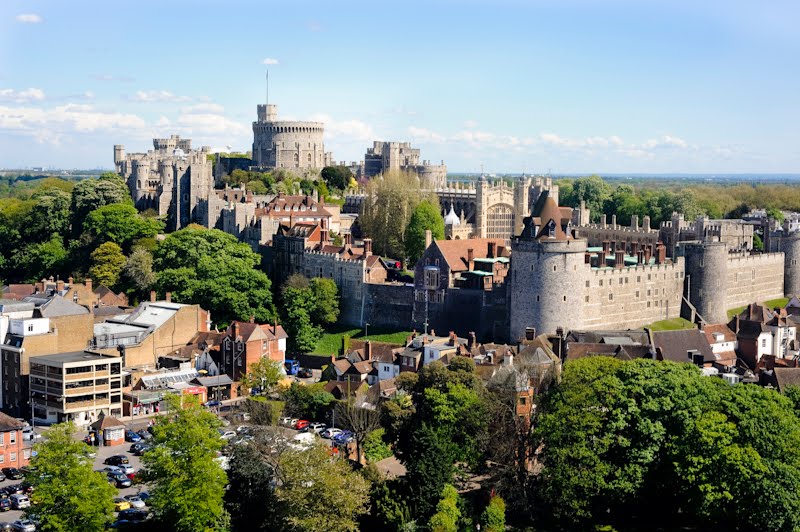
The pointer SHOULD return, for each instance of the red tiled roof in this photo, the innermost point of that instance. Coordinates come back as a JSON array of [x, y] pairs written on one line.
[[455, 251]]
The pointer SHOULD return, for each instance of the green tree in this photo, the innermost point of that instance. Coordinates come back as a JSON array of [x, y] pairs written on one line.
[[42, 260], [429, 464], [265, 374], [214, 270], [375, 448], [390, 201], [49, 215], [107, 264], [68, 495], [447, 513], [250, 499], [593, 190], [309, 481], [775, 214], [120, 223], [493, 518], [337, 177], [758, 244], [326, 301], [138, 270], [310, 402], [91, 194], [426, 216], [187, 482]]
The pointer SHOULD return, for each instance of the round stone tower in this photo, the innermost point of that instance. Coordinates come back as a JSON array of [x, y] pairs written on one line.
[[547, 285], [707, 277], [790, 245], [286, 143]]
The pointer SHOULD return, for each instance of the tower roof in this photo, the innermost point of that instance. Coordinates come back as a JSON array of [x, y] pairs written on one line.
[[452, 217]]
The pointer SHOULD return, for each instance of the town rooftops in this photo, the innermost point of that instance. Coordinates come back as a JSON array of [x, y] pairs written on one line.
[[73, 357], [456, 252], [675, 345], [787, 377], [55, 306], [8, 423], [284, 204], [14, 305]]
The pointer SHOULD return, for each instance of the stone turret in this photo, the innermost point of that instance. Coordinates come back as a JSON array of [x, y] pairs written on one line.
[[706, 278], [790, 245]]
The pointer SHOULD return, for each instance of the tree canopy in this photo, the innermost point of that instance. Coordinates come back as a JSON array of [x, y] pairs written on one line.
[[214, 270], [187, 482], [337, 177], [68, 494], [120, 223], [387, 209], [426, 216], [657, 442]]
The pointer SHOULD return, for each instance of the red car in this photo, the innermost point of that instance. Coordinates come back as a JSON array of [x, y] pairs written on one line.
[[301, 425]]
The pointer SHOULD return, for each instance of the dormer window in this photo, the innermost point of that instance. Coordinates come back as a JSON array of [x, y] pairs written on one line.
[[551, 229]]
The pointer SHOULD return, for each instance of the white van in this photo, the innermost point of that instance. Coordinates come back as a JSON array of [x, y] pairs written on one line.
[[20, 501]]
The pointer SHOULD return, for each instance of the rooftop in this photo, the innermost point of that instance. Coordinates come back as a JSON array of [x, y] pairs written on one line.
[[75, 356]]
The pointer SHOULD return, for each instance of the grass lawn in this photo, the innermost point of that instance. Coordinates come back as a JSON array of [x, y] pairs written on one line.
[[771, 304], [674, 324], [331, 340]]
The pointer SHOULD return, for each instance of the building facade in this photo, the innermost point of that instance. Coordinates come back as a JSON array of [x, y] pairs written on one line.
[[172, 179], [400, 156], [78, 387], [286, 143]]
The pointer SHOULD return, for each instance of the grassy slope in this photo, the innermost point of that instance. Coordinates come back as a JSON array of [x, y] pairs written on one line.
[[674, 324], [331, 341]]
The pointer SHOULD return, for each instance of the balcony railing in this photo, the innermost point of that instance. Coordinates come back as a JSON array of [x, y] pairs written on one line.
[[86, 375]]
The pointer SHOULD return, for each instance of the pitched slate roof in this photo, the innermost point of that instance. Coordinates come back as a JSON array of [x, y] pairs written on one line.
[[56, 306], [8, 423], [106, 422], [787, 377], [674, 345]]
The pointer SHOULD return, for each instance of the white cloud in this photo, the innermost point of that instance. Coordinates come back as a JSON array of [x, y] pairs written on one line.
[[423, 135], [348, 129], [204, 108], [270, 61], [21, 96], [470, 124], [29, 18], [157, 96], [51, 125], [211, 125]]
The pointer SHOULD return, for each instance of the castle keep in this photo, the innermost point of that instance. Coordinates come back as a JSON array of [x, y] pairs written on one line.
[[172, 178], [285, 143]]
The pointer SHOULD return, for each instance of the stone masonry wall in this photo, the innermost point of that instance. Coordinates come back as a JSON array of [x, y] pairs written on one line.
[[754, 278]]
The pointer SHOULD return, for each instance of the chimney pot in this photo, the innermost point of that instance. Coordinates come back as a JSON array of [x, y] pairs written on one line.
[[530, 333]]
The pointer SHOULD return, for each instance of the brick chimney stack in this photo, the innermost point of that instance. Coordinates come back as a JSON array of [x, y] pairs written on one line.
[[640, 257], [661, 253], [348, 239], [453, 338], [168, 297], [619, 259], [634, 247], [491, 251], [648, 252], [587, 258], [59, 285], [368, 246], [428, 238], [368, 350], [606, 245], [152, 296], [88, 284], [470, 259]]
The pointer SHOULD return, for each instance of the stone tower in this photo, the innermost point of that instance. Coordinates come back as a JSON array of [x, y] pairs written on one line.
[[547, 266], [706, 277], [790, 245], [287, 143]]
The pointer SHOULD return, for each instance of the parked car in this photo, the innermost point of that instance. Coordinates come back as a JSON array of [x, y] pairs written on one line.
[[121, 504], [343, 437], [301, 424], [143, 449], [227, 435], [212, 403], [23, 525], [331, 432], [12, 473], [316, 428], [120, 480], [132, 515], [136, 446], [5, 504], [2, 477], [143, 495], [29, 435], [20, 501], [116, 460], [135, 501], [145, 434], [132, 436], [305, 373]]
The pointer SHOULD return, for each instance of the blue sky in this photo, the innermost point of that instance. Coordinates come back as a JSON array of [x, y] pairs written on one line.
[[565, 86]]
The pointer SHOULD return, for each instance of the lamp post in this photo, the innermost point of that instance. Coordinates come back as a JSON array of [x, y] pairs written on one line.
[[366, 329]]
